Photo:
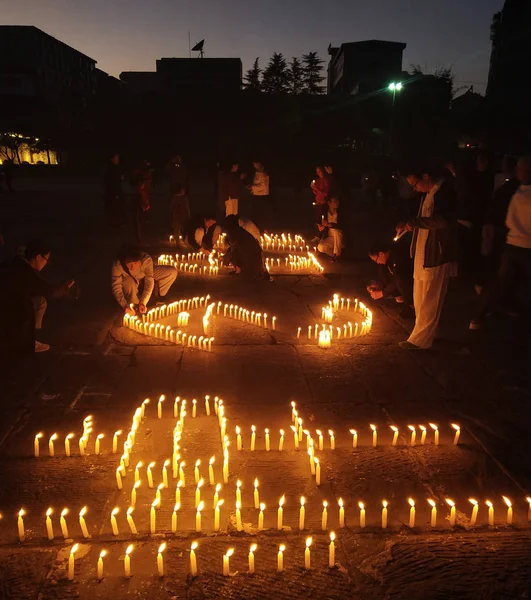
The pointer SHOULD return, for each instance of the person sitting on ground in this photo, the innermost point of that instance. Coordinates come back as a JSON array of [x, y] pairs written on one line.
[[244, 252], [133, 279], [332, 237], [395, 274], [201, 233], [23, 303], [180, 210]]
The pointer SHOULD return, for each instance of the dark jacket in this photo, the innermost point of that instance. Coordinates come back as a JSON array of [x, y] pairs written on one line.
[[230, 185], [441, 245], [198, 222], [396, 276], [245, 252]]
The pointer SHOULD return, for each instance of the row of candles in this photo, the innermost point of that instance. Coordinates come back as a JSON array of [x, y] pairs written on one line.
[[179, 306], [283, 242], [193, 559], [169, 334], [295, 263], [233, 311]]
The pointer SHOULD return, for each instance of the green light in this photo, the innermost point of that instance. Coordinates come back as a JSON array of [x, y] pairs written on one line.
[[395, 87]]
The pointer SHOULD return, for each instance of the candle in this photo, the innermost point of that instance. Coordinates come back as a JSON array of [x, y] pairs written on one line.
[[217, 511], [239, 491], [457, 433], [197, 475], [226, 561], [71, 561], [320, 439], [395, 435], [160, 560], [97, 448], [82, 446], [62, 523], [36, 449], [153, 516], [433, 522], [143, 411], [509, 510], [194, 409], [261, 517], [354, 438], [423, 435], [435, 433], [253, 437], [193, 558], [165, 466], [374, 436], [82, 522], [302, 513], [67, 443], [51, 441], [281, 441], [332, 551], [119, 478], [176, 407], [211, 479], [341, 513], [309, 332], [411, 512], [207, 398], [267, 441], [307, 558], [256, 494], [324, 516], [362, 514], [528, 508], [130, 521], [181, 473], [239, 526], [491, 512], [280, 558], [159, 406], [115, 437], [100, 564], [114, 523], [384, 514], [252, 550], [127, 561], [198, 493], [49, 525], [295, 437], [150, 474], [198, 516], [280, 512], [475, 508], [239, 445], [274, 323], [451, 504], [317, 471], [413, 434], [139, 465], [332, 439]]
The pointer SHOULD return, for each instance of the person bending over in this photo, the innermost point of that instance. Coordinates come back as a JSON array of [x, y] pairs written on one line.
[[244, 252], [201, 233], [331, 231], [133, 279]]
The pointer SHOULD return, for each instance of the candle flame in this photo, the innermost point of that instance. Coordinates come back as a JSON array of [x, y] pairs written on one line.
[[308, 542], [282, 432], [139, 464], [162, 398], [450, 503], [332, 536], [361, 505], [411, 502], [507, 501], [316, 460], [266, 431], [151, 465], [167, 462], [201, 506], [238, 484], [83, 511], [100, 436], [64, 512], [194, 546], [281, 548], [353, 431], [74, 548], [220, 503], [155, 503], [472, 501], [212, 460], [256, 483], [130, 511], [262, 506], [318, 432], [528, 499], [53, 437], [281, 501], [161, 486], [199, 483], [433, 426], [384, 503], [253, 548], [340, 502], [218, 487], [293, 428], [177, 507], [394, 428], [488, 503], [197, 462], [373, 427], [129, 549], [229, 552], [115, 511], [69, 436], [39, 435], [49, 512], [431, 502], [238, 505], [103, 553], [162, 547], [325, 504], [253, 428], [303, 500], [330, 433], [411, 427], [456, 426], [422, 428]]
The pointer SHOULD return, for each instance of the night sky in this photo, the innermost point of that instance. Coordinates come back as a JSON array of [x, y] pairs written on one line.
[[129, 35]]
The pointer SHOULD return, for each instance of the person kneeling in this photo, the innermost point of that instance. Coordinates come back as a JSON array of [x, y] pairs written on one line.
[[331, 232], [201, 233], [133, 279], [244, 252]]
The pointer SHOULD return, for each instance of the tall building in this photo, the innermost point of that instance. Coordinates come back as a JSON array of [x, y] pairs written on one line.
[[363, 67], [509, 85]]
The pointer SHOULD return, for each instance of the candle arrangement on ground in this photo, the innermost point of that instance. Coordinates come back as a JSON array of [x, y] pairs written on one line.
[[194, 263], [294, 264], [283, 242]]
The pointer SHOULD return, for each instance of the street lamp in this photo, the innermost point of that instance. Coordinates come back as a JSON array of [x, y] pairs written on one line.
[[394, 86]]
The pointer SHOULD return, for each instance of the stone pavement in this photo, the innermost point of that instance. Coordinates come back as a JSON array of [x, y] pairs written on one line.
[[102, 369]]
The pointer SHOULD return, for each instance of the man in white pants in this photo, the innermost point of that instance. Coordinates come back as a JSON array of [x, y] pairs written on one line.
[[134, 268], [434, 252]]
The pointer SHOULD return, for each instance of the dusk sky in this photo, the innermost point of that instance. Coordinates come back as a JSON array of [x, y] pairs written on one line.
[[129, 35]]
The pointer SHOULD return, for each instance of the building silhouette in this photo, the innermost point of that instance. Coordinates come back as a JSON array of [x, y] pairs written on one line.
[[363, 67]]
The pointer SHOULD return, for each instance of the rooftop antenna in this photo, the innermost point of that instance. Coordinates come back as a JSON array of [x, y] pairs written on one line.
[[199, 48]]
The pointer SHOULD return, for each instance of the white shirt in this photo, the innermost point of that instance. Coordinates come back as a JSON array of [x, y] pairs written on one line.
[[144, 271], [250, 227], [518, 218], [260, 185]]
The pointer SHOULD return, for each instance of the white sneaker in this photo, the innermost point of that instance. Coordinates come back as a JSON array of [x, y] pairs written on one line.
[[40, 347]]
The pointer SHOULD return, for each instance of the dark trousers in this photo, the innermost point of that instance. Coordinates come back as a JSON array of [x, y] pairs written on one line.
[[470, 259], [510, 289], [320, 211]]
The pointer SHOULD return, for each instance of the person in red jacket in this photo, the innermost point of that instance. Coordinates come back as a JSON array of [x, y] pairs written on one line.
[[321, 190]]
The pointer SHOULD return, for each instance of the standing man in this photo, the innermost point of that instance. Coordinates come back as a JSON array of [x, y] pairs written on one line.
[[230, 188], [434, 253], [113, 192]]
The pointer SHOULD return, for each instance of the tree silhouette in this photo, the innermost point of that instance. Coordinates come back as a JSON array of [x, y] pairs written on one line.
[[276, 77], [296, 73], [312, 73], [252, 78]]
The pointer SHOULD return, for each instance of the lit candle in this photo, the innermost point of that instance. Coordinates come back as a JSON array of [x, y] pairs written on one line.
[[332, 439], [115, 438], [239, 526], [299, 329], [354, 438], [159, 406], [411, 512], [160, 560], [211, 479], [307, 558], [395, 435], [384, 514], [36, 449], [62, 523], [51, 441], [309, 332], [457, 433], [280, 558], [97, 448], [435, 433], [433, 522], [119, 477], [127, 561], [197, 475], [139, 465], [413, 434], [198, 516], [71, 561], [182, 478], [295, 437], [528, 508], [239, 444], [207, 398], [252, 550], [153, 516], [256, 494], [67, 443], [176, 407], [423, 435], [226, 561], [193, 558], [475, 509], [130, 521], [217, 515], [302, 513], [332, 551], [82, 522], [143, 411], [341, 513], [176, 507], [324, 516], [451, 504], [114, 523], [281, 441], [509, 510], [320, 439], [267, 441], [100, 564], [261, 517], [253, 437], [198, 493], [49, 525], [274, 323], [491, 512], [374, 436], [280, 512], [317, 471], [362, 514], [194, 409]]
